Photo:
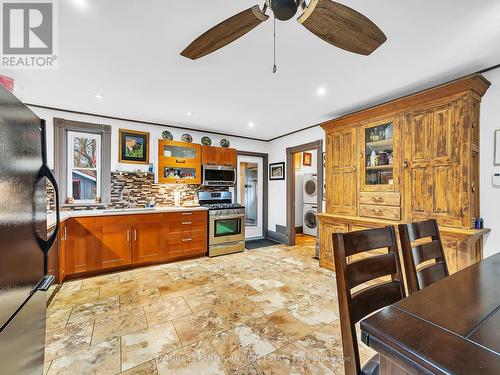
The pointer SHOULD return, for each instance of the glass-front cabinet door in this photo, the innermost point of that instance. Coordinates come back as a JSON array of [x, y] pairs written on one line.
[[179, 162], [378, 155]]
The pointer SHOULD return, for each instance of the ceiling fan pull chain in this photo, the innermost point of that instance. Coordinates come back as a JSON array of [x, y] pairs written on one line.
[[275, 68]]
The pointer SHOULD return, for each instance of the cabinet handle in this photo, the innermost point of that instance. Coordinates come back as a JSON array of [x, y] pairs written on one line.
[[473, 186], [128, 235], [405, 164], [186, 239], [187, 213], [228, 165], [377, 199], [211, 163], [361, 155], [377, 211], [187, 222], [65, 234], [180, 161], [135, 234], [354, 169]]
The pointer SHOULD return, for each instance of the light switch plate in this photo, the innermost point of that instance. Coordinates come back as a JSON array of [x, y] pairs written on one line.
[[496, 179]]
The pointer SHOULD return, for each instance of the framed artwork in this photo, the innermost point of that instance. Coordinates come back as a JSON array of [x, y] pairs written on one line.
[[307, 159], [277, 171], [497, 147], [133, 147]]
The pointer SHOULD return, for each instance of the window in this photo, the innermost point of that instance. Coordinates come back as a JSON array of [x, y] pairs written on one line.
[[84, 166]]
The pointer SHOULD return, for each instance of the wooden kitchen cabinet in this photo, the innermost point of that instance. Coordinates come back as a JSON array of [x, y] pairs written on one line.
[[179, 162], [226, 157], [342, 167], [147, 238], [62, 240], [433, 174], [186, 234], [79, 245], [113, 238]]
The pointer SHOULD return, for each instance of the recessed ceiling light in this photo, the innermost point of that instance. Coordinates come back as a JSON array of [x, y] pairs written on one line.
[[83, 4], [251, 124], [99, 96], [321, 91], [189, 113]]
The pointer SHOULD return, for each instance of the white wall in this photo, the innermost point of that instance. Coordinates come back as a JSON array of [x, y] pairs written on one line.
[[490, 196], [277, 189], [155, 134]]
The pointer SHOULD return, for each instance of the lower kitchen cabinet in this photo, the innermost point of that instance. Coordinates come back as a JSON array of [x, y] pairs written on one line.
[[79, 234], [147, 239], [89, 244], [113, 238]]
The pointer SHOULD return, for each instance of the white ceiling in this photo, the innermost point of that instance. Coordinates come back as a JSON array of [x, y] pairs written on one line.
[[128, 51]]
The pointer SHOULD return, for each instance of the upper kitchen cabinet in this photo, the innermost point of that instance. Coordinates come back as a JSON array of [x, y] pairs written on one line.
[[226, 157], [179, 162]]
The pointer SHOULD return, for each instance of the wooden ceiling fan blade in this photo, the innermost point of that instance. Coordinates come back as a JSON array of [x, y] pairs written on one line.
[[225, 32], [342, 26]]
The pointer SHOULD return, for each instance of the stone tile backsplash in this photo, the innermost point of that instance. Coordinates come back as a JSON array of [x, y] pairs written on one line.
[[133, 189]]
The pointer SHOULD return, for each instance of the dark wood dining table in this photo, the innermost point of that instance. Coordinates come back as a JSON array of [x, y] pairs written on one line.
[[450, 327]]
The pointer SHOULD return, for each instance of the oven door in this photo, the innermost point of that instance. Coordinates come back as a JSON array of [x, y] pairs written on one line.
[[230, 228], [218, 176]]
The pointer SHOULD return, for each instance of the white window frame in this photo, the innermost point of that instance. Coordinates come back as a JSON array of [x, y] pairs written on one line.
[[70, 163]]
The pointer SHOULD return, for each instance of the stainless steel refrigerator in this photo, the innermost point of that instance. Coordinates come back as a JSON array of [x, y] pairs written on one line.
[[24, 241]]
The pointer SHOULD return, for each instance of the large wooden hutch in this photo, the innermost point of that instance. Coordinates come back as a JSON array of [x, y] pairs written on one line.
[[408, 160]]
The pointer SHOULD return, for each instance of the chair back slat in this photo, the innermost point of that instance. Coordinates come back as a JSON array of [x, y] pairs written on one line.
[[430, 274], [416, 254], [365, 274], [421, 229], [366, 240], [427, 251], [370, 268], [368, 300]]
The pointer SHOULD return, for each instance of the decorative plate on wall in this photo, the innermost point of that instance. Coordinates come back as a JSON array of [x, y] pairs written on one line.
[[167, 135], [225, 143], [187, 138], [206, 141]]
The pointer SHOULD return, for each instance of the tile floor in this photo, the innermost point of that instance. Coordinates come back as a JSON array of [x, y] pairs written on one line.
[[265, 311]]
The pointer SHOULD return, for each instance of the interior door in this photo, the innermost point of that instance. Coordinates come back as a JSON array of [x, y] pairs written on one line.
[[251, 193]]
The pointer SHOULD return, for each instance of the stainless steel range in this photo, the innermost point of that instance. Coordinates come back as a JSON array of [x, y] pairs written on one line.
[[226, 223]]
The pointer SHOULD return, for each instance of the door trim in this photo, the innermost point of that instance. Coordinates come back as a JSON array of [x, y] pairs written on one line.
[[265, 182], [290, 183]]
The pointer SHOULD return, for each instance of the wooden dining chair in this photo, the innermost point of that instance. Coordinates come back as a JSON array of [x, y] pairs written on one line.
[[419, 276], [356, 305]]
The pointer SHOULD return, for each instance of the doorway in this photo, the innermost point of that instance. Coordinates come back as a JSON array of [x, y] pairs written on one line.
[[304, 192], [251, 193]]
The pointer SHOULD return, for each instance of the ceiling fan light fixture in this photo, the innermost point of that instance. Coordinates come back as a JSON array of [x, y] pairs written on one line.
[[284, 9]]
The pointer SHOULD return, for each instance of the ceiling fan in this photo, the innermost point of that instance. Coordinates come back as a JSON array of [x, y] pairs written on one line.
[[335, 23]]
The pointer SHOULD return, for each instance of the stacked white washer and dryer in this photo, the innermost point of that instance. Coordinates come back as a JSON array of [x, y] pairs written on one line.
[[310, 196]]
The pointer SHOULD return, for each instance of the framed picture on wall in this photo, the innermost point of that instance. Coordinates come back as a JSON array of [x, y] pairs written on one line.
[[307, 159], [497, 147], [133, 146], [277, 171]]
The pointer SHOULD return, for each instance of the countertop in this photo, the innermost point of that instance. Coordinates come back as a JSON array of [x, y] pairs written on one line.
[[64, 215]]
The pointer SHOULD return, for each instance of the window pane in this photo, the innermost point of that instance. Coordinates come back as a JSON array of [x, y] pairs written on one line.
[[84, 152], [84, 183]]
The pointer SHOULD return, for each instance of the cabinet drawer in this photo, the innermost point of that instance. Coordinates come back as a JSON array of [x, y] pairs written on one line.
[[382, 198], [188, 218], [390, 213]]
